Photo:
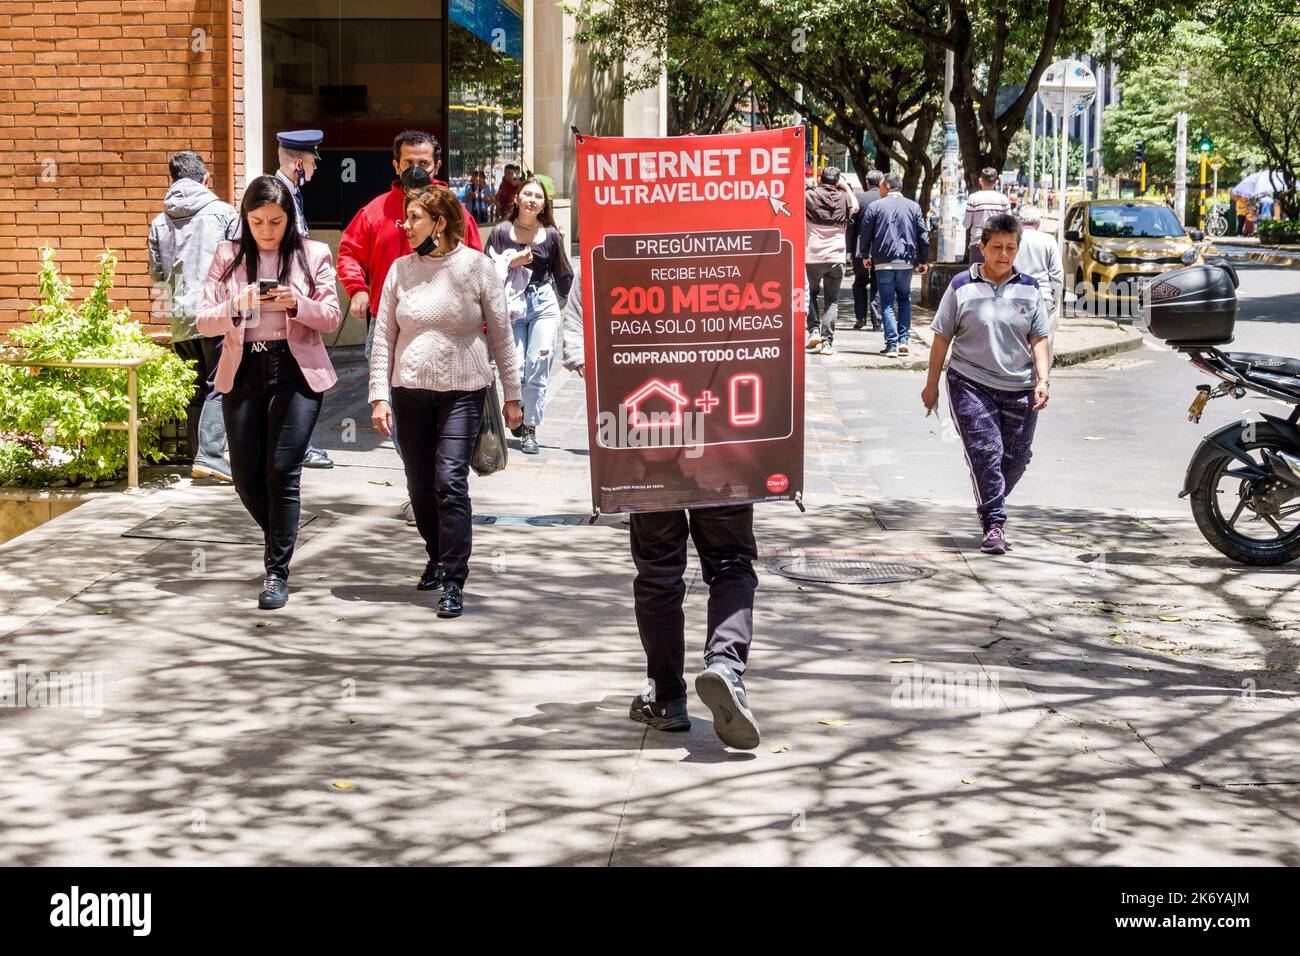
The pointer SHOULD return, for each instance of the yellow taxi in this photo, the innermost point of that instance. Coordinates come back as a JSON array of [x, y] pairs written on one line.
[[1113, 247]]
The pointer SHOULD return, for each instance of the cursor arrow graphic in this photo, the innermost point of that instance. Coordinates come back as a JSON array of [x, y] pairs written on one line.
[[778, 206]]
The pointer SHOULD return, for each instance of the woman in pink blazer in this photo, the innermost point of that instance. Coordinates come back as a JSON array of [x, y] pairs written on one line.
[[271, 294]]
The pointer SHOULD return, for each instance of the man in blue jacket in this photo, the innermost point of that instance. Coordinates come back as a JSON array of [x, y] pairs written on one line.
[[894, 241]]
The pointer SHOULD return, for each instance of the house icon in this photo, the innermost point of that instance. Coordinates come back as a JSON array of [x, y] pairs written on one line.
[[669, 392]]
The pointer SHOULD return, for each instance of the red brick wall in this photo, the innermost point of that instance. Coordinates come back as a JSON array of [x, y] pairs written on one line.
[[94, 98]]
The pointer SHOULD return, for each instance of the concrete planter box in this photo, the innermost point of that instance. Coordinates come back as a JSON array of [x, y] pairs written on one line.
[[935, 282], [22, 510]]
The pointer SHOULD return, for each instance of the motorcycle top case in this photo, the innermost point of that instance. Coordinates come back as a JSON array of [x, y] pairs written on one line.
[[1194, 305]]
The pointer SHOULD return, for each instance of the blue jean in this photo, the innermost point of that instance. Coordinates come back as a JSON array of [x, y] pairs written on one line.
[[535, 348], [370, 345], [895, 289]]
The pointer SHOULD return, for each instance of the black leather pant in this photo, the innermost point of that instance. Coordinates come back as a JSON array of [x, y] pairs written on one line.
[[439, 430], [270, 412]]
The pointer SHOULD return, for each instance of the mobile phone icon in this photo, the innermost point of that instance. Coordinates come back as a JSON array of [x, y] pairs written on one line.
[[746, 406]]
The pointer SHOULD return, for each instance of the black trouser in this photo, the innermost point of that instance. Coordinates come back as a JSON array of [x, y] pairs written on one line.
[[204, 353], [724, 539], [825, 279], [270, 412], [865, 301], [439, 430]]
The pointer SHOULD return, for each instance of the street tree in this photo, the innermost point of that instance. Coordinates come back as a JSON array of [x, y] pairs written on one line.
[[1251, 83], [875, 72], [839, 63]]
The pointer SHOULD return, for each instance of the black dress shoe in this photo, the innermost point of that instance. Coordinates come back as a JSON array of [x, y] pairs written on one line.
[[432, 577], [517, 431], [275, 593], [317, 459], [529, 444], [450, 604]]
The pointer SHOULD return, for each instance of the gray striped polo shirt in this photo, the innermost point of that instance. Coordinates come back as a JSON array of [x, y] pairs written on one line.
[[990, 327]]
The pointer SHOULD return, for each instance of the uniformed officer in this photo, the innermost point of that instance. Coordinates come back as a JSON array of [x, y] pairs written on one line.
[[298, 159]]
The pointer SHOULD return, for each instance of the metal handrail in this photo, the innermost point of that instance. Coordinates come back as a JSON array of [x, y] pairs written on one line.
[[132, 425]]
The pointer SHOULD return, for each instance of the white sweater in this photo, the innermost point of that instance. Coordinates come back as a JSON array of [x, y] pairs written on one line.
[[429, 327]]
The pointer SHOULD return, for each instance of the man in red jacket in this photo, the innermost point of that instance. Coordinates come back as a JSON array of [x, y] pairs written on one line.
[[375, 239]]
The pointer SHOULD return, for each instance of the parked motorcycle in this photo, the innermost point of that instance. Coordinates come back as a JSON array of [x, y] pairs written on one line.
[[1244, 479]]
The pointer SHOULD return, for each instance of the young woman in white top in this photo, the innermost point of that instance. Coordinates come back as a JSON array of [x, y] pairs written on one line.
[[538, 246]]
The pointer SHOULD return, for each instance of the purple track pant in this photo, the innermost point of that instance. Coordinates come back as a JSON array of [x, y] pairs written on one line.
[[997, 428]]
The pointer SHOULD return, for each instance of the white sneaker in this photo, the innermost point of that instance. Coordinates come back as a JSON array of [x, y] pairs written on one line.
[[814, 341], [827, 349], [889, 353], [902, 350]]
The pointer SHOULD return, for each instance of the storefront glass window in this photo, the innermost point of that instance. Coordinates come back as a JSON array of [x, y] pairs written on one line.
[[361, 71], [486, 104]]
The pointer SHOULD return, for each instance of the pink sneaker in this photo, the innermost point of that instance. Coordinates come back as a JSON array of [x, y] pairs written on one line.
[[994, 542]]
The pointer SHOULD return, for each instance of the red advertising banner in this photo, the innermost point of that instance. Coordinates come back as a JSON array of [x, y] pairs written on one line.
[[692, 287]]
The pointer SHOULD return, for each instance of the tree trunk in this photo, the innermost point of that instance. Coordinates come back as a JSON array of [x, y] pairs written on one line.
[[883, 148], [983, 137], [927, 188]]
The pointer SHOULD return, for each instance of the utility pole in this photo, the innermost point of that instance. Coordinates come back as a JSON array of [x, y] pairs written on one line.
[[1056, 165], [1096, 147], [1083, 151], [1064, 119], [1216, 163], [1033, 143], [1180, 161], [1204, 146], [949, 242]]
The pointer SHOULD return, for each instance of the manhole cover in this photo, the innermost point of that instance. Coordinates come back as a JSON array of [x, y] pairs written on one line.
[[833, 571]]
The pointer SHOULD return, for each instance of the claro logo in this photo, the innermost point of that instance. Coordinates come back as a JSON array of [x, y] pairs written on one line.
[[777, 483]]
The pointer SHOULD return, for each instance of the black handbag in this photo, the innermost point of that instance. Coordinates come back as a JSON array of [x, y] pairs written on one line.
[[490, 451]]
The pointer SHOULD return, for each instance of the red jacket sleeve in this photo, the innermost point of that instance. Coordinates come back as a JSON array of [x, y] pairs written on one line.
[[472, 238], [352, 252]]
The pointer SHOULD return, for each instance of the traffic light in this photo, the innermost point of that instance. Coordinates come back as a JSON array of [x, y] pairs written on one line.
[[1141, 154], [1205, 145]]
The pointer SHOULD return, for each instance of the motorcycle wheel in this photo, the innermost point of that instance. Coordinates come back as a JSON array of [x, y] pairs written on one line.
[[1224, 484]]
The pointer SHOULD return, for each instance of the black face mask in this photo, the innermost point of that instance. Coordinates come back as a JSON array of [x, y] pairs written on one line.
[[415, 177], [426, 247]]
